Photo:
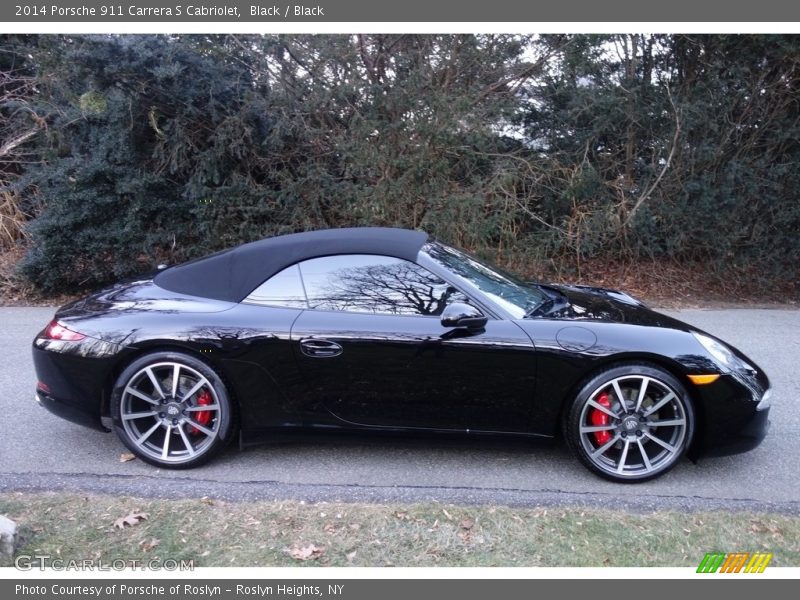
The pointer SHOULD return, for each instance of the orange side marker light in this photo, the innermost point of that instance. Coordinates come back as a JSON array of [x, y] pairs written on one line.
[[703, 379]]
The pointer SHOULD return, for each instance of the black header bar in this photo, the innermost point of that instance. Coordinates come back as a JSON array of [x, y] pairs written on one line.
[[407, 11]]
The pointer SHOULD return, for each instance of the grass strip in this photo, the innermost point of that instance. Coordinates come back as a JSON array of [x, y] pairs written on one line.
[[216, 533]]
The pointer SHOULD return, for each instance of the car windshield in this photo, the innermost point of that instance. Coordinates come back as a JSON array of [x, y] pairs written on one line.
[[517, 297]]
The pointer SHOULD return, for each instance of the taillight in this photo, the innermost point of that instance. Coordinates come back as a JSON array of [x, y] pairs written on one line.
[[56, 331]]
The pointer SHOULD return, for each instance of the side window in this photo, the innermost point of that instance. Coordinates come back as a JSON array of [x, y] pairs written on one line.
[[373, 284], [282, 289]]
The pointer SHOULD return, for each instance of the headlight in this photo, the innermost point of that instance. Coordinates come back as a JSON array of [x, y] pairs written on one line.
[[721, 353]]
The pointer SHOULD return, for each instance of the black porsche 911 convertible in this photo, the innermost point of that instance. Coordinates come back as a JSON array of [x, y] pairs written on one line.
[[390, 330]]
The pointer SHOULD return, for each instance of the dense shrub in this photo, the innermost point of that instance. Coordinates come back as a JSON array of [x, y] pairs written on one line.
[[558, 148]]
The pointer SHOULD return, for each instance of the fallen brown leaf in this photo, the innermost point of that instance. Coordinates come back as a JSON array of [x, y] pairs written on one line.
[[126, 457], [133, 518], [148, 545], [309, 552]]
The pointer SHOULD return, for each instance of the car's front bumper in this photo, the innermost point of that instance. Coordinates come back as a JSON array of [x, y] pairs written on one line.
[[733, 415], [747, 438]]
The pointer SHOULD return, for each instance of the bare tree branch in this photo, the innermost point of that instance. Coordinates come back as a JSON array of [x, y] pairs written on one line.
[[648, 192]]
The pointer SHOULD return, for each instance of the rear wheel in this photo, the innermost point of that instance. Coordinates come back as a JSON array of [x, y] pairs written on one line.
[[172, 410], [630, 423]]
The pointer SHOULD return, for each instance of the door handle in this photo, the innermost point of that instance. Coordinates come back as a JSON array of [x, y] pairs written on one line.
[[318, 348]]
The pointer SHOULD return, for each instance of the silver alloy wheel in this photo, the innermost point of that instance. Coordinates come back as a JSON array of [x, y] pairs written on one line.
[[158, 408], [645, 423]]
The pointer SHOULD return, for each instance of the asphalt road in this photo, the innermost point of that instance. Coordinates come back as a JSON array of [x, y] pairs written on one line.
[[41, 451]]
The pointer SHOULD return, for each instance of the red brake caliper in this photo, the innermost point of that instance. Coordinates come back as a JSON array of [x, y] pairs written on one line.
[[202, 417], [598, 417]]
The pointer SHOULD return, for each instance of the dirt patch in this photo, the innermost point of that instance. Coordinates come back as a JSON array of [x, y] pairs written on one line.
[[692, 285], [15, 291]]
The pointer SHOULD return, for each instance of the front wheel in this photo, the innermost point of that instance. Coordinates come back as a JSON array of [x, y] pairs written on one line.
[[630, 423], [172, 410]]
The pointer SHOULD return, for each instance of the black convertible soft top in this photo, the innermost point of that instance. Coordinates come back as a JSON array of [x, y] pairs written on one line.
[[232, 274]]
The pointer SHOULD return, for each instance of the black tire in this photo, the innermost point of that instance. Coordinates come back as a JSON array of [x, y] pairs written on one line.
[[174, 415], [637, 440]]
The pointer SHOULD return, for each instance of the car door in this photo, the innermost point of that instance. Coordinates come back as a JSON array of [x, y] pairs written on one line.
[[374, 352]]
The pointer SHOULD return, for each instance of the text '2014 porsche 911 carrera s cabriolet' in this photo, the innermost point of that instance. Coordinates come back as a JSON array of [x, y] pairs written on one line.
[[390, 330]]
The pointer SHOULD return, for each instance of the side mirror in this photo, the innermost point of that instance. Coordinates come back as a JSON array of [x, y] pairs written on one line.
[[458, 314]]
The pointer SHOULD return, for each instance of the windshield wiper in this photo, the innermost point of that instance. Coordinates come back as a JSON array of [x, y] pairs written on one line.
[[555, 298], [541, 308]]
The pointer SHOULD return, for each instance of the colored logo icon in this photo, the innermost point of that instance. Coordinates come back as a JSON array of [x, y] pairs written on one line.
[[734, 562]]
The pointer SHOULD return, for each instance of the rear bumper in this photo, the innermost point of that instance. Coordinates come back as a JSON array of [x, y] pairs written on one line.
[[73, 384], [70, 412]]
